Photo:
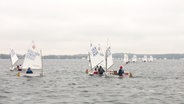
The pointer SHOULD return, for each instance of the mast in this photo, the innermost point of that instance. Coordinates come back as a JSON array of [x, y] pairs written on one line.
[[106, 60], [41, 61], [90, 61]]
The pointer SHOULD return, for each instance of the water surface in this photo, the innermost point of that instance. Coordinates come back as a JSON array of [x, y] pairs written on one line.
[[65, 82]]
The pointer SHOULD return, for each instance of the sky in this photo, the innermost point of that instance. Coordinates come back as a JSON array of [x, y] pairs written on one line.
[[66, 27]]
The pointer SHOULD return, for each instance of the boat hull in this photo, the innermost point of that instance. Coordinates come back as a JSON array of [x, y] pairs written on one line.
[[28, 75], [110, 74], [31, 75]]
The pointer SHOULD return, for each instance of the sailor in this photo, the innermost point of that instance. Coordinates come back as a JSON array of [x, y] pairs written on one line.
[[101, 70], [20, 68], [29, 71], [95, 72], [121, 71]]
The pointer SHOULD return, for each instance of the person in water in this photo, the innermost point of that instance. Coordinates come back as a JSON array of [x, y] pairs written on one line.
[[121, 71], [101, 70], [29, 71]]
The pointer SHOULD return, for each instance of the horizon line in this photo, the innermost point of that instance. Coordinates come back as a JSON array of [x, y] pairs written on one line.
[[112, 53]]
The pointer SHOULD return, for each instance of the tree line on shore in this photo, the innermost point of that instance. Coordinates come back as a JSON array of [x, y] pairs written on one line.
[[115, 55]]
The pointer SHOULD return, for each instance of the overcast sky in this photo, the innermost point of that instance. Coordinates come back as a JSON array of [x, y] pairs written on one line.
[[68, 26]]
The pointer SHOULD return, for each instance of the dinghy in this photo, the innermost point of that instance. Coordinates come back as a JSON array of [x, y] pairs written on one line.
[[134, 58], [33, 59], [95, 56], [151, 59], [126, 61], [145, 59]]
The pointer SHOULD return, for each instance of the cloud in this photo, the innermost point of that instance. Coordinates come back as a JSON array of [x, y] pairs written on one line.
[[67, 26]]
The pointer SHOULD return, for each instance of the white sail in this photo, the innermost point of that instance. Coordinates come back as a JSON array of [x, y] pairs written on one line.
[[134, 58], [95, 55], [108, 61], [145, 59], [13, 58], [125, 58], [151, 59], [102, 64], [33, 59], [108, 58]]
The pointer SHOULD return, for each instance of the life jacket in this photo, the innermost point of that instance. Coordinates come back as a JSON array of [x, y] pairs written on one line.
[[121, 71], [95, 72], [101, 71], [29, 72]]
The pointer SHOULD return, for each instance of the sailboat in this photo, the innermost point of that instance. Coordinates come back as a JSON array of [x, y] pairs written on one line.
[[102, 59], [126, 59], [134, 58], [95, 56], [109, 63], [13, 59], [145, 59], [33, 59], [151, 59]]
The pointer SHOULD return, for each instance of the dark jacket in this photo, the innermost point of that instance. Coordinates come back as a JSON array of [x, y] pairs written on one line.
[[29, 71], [120, 72], [101, 70]]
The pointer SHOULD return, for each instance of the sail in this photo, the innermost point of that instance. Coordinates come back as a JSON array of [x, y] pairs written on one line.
[[145, 59], [109, 59], [102, 64], [13, 57], [33, 59], [125, 58], [95, 55], [151, 59]]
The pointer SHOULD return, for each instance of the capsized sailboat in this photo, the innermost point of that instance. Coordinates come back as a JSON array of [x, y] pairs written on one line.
[[13, 59], [33, 59]]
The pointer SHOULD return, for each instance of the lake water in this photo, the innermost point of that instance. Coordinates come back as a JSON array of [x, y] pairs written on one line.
[[65, 82]]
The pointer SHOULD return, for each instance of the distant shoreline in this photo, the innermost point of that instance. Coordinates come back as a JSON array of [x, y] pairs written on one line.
[[115, 55]]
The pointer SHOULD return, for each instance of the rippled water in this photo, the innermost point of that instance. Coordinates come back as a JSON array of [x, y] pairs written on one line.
[[159, 82]]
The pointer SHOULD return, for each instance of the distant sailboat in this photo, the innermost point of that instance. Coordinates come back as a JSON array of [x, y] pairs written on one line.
[[33, 59], [145, 59], [13, 59], [134, 58], [126, 59], [151, 59]]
